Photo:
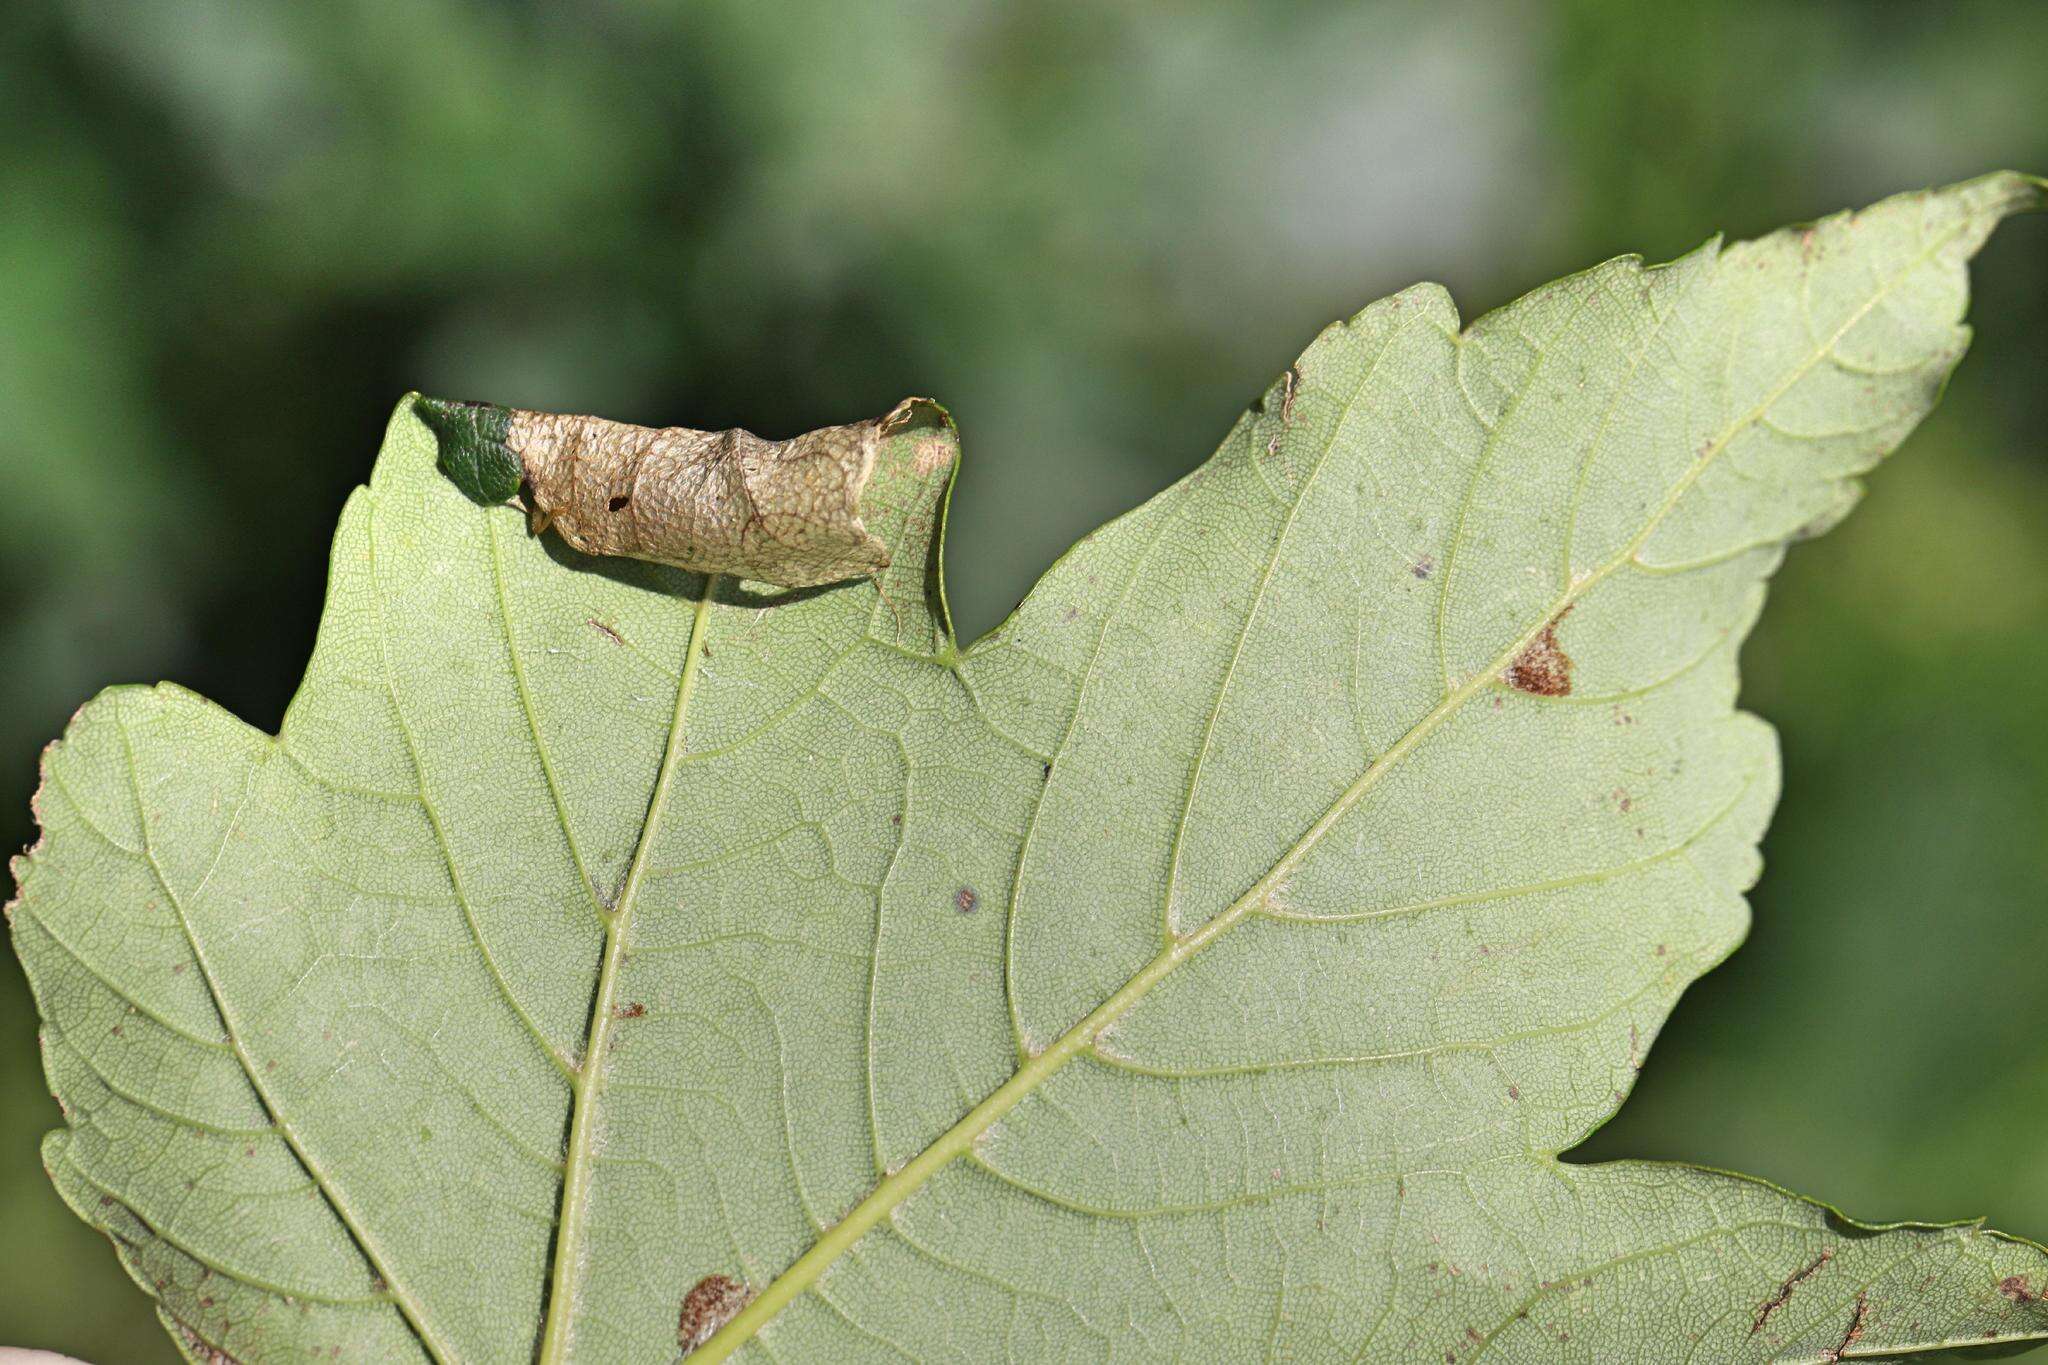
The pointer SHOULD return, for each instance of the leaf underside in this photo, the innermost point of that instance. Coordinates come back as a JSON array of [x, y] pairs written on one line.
[[1210, 962]]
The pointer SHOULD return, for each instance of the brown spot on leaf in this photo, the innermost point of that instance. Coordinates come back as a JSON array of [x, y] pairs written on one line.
[[602, 629], [966, 901], [1424, 566], [711, 1303], [1783, 1294], [1543, 669], [2016, 1288], [633, 1010], [199, 1348]]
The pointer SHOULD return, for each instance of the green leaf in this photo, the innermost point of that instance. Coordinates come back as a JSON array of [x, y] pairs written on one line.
[[1213, 961]]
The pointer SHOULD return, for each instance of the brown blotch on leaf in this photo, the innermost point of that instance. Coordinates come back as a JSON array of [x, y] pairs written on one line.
[[632, 1011], [711, 1303], [1543, 669], [966, 901], [2016, 1288]]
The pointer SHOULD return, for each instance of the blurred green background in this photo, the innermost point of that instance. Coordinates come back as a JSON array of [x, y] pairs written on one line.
[[233, 232]]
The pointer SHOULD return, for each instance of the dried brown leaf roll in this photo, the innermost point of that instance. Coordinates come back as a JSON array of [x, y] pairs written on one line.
[[728, 502]]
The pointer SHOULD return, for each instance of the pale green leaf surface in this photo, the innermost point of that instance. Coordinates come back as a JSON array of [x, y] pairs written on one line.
[[1211, 962]]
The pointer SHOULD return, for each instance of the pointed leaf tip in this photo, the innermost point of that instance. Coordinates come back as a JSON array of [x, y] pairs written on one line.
[[474, 455]]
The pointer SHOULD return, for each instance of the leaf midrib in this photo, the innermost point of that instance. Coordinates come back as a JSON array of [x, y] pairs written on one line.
[[959, 1139], [588, 1083]]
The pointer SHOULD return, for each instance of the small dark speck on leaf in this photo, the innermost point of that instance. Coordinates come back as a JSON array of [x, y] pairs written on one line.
[[966, 901], [630, 1011], [1423, 567]]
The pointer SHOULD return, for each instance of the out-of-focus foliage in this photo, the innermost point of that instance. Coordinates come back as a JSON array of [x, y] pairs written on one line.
[[232, 231]]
